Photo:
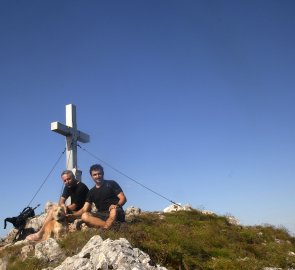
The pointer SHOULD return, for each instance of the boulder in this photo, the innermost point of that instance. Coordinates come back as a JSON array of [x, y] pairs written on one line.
[[48, 250], [232, 220], [177, 207], [36, 222], [26, 250], [109, 254], [207, 212], [131, 212]]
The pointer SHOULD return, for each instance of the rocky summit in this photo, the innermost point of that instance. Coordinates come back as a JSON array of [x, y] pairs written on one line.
[[178, 238]]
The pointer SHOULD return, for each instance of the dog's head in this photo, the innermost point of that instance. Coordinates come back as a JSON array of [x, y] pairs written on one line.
[[49, 206], [58, 213]]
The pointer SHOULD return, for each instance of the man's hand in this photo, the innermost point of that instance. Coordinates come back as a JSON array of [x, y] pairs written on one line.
[[64, 207], [113, 206]]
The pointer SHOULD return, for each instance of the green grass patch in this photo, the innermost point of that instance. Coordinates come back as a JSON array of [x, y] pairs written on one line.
[[188, 240]]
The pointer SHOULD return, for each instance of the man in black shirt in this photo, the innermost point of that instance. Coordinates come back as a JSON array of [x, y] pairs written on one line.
[[108, 198], [74, 189]]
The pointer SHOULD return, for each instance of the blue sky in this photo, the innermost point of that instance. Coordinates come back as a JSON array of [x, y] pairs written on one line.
[[194, 99]]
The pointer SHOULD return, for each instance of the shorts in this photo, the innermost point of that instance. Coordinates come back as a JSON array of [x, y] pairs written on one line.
[[104, 215]]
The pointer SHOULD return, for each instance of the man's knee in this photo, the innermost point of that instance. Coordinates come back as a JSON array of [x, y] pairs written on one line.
[[85, 216]]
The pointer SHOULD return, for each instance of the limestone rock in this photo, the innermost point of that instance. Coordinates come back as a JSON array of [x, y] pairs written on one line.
[[36, 222], [10, 236], [207, 212], [177, 207], [232, 220], [25, 251], [75, 263], [94, 242], [276, 268], [109, 254], [48, 250], [3, 264], [76, 225], [131, 212]]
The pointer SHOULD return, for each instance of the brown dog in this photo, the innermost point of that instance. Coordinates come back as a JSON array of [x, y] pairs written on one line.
[[58, 226]]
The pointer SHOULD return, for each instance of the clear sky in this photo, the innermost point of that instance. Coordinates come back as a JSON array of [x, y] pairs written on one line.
[[194, 99]]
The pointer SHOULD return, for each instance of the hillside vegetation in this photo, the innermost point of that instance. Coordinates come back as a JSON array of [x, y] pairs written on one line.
[[188, 240]]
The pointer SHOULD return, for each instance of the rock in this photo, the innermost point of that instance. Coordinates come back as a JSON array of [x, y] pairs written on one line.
[[109, 254], [76, 225], [177, 207], [94, 242], [131, 212], [3, 264], [207, 212], [75, 263], [36, 222], [272, 268], [232, 220], [10, 236], [2, 242], [275, 268], [21, 242], [48, 250], [25, 251], [33, 224]]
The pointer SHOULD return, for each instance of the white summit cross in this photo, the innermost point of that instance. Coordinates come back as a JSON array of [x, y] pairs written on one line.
[[72, 136]]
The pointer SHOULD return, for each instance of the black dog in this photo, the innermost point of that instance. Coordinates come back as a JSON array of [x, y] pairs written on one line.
[[20, 221]]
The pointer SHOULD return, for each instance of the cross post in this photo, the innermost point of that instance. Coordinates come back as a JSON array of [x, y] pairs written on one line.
[[72, 135]]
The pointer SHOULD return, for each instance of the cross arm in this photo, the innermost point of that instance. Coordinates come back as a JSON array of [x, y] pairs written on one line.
[[83, 137], [69, 131], [61, 129]]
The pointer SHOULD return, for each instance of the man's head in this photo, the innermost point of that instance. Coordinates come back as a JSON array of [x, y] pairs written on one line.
[[97, 173], [68, 178]]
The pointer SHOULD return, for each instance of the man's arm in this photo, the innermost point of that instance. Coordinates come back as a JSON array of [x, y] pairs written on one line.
[[121, 202], [62, 202], [122, 199], [85, 208]]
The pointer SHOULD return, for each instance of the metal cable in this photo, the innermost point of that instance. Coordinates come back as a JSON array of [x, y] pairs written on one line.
[[47, 177], [113, 168]]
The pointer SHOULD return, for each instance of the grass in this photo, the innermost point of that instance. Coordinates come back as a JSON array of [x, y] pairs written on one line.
[[188, 240]]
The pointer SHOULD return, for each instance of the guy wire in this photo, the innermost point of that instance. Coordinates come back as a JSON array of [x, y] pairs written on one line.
[[47, 176], [94, 156]]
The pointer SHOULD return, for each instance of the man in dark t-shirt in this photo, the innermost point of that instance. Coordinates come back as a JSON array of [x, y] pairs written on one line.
[[108, 198], [77, 191], [74, 189]]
